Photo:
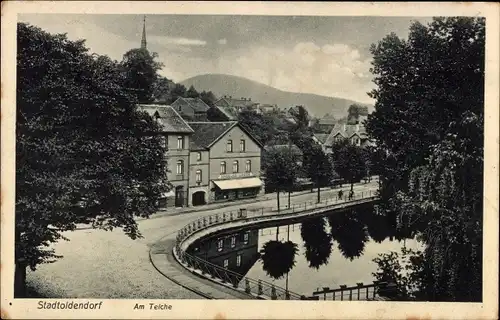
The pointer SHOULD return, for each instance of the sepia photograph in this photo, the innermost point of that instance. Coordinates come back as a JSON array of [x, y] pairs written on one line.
[[163, 157]]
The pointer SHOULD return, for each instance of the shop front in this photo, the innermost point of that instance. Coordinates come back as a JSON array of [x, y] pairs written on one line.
[[226, 190]]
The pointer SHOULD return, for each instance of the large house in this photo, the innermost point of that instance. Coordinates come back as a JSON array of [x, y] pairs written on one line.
[[191, 109], [355, 133], [225, 162], [176, 133], [231, 107], [207, 161]]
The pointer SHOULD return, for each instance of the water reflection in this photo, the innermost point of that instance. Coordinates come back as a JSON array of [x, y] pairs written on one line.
[[348, 229], [317, 242], [272, 253], [278, 258]]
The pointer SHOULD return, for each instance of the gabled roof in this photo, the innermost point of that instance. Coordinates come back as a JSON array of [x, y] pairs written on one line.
[[327, 121], [195, 103], [207, 134], [346, 131], [170, 120], [230, 113], [321, 137]]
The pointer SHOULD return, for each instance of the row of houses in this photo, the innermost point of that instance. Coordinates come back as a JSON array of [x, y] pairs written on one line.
[[207, 161]]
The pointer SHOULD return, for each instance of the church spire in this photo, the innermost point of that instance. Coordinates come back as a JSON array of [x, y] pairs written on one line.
[[143, 41]]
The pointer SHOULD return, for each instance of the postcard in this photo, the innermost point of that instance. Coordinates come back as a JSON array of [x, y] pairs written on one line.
[[241, 160]]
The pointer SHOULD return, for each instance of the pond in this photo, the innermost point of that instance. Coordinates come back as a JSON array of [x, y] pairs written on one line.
[[328, 251]]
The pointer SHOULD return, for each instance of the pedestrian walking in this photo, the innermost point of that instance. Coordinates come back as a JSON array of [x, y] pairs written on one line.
[[351, 194], [341, 193]]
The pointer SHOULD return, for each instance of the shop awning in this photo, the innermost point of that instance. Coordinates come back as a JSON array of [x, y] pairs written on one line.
[[238, 183]]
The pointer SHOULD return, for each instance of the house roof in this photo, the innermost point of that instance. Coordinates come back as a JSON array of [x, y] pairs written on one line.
[[170, 120], [195, 103], [329, 120], [346, 131], [321, 137], [229, 112], [206, 133]]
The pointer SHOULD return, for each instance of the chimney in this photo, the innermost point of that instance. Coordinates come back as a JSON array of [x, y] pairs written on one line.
[[344, 127]]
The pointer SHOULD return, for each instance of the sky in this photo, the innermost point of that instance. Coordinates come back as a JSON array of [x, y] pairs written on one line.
[[327, 55]]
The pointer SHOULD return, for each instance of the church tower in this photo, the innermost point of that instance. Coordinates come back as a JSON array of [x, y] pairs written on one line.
[[143, 41]]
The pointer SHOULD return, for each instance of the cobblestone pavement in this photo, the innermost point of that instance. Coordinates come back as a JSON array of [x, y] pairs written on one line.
[[108, 264]]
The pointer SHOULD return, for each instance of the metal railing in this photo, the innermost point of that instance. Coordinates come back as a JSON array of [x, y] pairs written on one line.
[[257, 288], [360, 292]]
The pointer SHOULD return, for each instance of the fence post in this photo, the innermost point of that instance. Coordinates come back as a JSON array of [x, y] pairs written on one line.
[[247, 286], [273, 292], [359, 284], [342, 287], [259, 287]]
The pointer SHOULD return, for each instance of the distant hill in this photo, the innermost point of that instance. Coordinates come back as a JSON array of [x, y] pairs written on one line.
[[239, 87]]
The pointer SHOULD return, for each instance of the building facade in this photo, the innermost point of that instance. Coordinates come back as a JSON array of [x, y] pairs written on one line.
[[176, 136], [229, 163]]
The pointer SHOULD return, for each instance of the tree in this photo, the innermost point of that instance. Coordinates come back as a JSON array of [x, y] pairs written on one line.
[[431, 92], [280, 170], [278, 258], [161, 90], [406, 270], [261, 126], [141, 73], [192, 93], [423, 84], [317, 242], [84, 153], [350, 233], [208, 97], [301, 117], [178, 91], [348, 161]]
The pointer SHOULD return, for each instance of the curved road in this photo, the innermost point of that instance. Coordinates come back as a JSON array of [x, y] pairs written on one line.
[[108, 264]]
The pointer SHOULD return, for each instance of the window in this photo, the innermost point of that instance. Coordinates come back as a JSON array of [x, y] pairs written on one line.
[[233, 241], [220, 244], [180, 167], [180, 142], [245, 237], [235, 166], [242, 145], [248, 166], [164, 142], [198, 175], [198, 156], [226, 263], [229, 147], [238, 260], [223, 167]]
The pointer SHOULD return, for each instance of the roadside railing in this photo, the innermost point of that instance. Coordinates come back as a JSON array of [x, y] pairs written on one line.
[[257, 288], [360, 292]]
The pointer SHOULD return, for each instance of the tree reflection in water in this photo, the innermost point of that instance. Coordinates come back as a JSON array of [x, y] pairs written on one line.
[[350, 232], [278, 258], [317, 242]]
